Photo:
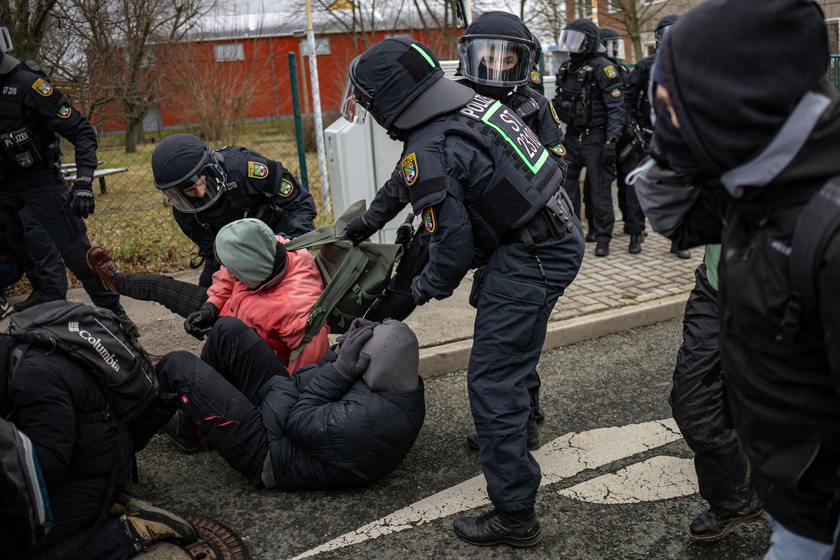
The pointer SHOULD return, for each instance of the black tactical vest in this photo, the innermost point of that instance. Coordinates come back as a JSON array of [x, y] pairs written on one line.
[[523, 180]]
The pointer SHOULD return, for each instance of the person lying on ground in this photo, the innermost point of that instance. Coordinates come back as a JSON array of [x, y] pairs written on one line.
[[344, 423]]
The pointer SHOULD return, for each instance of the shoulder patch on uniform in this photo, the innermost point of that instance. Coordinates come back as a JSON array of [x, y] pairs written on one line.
[[257, 170], [615, 92], [553, 112], [610, 71], [429, 220], [409, 168], [42, 87], [65, 111], [286, 188], [559, 149], [536, 77]]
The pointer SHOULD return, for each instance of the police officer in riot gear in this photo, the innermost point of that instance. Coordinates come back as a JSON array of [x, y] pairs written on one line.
[[638, 101], [535, 80], [629, 150], [211, 188], [34, 116], [489, 194], [590, 101]]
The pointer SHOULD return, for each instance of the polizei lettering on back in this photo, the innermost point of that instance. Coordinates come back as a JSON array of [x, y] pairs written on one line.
[[507, 123], [107, 357]]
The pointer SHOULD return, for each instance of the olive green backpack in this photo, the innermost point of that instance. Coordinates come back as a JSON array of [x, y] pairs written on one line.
[[353, 276]]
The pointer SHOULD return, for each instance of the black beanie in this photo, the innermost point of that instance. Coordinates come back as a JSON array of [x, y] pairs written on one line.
[[735, 70]]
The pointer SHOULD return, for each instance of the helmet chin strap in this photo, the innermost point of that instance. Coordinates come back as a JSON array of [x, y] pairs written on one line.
[[495, 92]]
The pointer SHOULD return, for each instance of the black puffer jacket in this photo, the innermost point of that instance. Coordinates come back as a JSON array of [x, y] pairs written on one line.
[[783, 382], [325, 432], [49, 394]]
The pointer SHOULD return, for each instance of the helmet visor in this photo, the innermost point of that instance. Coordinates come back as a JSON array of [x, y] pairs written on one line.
[[350, 107], [572, 41], [615, 48], [661, 32], [200, 191], [495, 61]]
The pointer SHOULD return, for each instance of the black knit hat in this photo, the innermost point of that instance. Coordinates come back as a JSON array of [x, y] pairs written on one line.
[[735, 70]]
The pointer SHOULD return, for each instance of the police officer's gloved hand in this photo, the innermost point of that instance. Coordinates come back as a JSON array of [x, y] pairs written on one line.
[[358, 230], [82, 203], [271, 214], [417, 292], [609, 154], [199, 323], [352, 362]]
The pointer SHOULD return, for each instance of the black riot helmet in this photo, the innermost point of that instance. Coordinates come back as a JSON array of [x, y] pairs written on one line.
[[188, 172], [580, 37], [613, 42], [662, 27], [497, 49], [7, 61], [399, 81]]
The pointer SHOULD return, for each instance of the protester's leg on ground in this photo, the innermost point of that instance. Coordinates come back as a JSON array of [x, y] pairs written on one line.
[[237, 352], [111, 541], [225, 419], [179, 297]]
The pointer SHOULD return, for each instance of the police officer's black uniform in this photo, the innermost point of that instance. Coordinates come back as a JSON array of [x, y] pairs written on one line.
[[483, 185], [253, 186], [32, 116], [590, 100]]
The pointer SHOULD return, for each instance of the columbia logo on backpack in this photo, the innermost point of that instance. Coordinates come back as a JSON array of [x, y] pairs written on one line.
[[96, 338]]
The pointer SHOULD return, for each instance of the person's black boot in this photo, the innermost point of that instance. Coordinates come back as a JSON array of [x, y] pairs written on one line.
[[710, 526], [590, 236], [146, 525], [602, 249], [495, 527], [182, 432], [31, 301], [635, 246], [681, 253], [533, 442]]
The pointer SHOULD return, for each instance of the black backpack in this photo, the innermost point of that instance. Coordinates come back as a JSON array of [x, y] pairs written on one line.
[[25, 515], [96, 339]]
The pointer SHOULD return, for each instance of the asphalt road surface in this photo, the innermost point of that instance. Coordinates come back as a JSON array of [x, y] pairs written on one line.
[[618, 482]]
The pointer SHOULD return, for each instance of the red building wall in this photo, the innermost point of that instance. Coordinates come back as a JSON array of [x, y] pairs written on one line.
[[195, 87]]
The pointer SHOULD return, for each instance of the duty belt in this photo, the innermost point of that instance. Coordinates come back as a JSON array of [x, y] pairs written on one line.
[[591, 130], [553, 220]]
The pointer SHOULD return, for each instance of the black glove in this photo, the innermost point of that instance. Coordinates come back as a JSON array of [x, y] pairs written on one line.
[[609, 154], [417, 292], [82, 203], [271, 214], [358, 230], [352, 362], [199, 323]]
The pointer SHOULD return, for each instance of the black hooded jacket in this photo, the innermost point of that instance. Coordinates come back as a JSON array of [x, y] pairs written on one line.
[[783, 382]]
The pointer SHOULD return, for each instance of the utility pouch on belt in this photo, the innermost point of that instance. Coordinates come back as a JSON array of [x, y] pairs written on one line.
[[19, 148]]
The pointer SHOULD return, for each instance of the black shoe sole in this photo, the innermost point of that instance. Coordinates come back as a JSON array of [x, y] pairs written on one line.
[[751, 518], [530, 541]]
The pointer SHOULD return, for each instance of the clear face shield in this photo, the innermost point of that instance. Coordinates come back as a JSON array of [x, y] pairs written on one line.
[[200, 191], [495, 61], [615, 48], [5, 39], [572, 41], [350, 108]]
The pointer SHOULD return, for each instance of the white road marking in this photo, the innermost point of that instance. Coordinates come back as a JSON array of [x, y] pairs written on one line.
[[559, 459], [658, 478]]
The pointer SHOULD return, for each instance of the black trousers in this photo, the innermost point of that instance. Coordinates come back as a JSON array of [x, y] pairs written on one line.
[[698, 405], [179, 297], [47, 194], [631, 210], [220, 392], [588, 151], [110, 542], [41, 260]]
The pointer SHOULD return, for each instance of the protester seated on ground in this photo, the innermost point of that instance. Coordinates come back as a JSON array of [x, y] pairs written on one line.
[[85, 458], [267, 287], [343, 423]]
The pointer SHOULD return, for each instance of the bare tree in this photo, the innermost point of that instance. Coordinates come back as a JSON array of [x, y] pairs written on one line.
[[547, 18], [127, 43], [28, 22], [636, 17]]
